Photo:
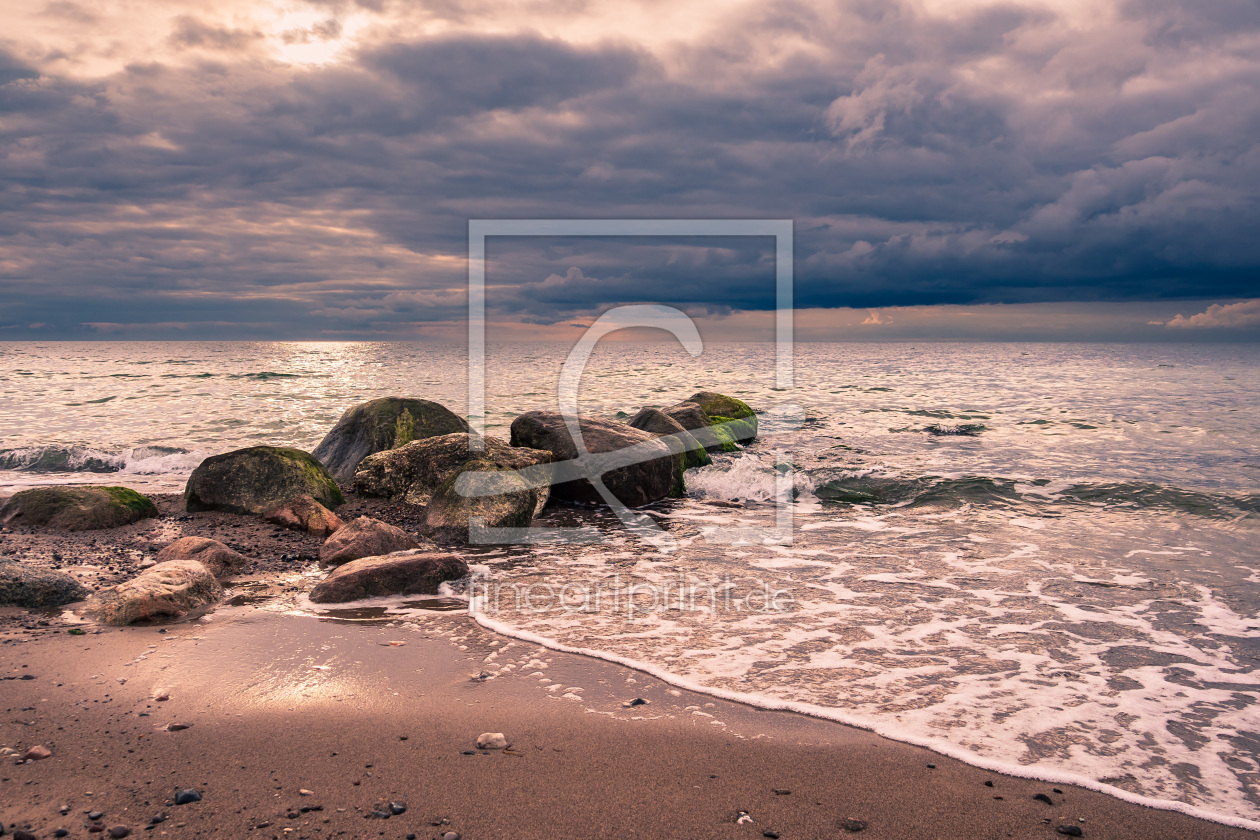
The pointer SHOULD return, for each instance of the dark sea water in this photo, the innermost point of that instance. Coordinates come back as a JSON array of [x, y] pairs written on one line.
[[1040, 558]]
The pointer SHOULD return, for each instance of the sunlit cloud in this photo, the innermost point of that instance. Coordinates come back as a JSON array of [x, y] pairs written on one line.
[[1229, 316]]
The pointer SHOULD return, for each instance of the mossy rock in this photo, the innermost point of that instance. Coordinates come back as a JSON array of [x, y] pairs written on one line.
[[379, 425], [731, 414], [259, 479], [76, 508], [23, 586], [679, 440]]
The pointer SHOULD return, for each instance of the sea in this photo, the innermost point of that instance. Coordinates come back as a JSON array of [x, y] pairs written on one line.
[[1043, 559]]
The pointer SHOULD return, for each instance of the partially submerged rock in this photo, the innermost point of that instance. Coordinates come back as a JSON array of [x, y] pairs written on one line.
[[413, 473], [719, 422], [675, 436], [381, 424], [258, 479], [76, 507], [214, 555], [364, 537], [481, 495], [23, 586], [404, 573], [636, 466], [168, 590], [304, 514]]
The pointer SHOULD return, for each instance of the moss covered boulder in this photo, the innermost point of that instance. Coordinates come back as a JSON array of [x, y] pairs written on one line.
[[76, 508], [406, 573], [675, 436], [168, 590], [413, 473], [636, 466], [381, 424], [719, 422], [257, 480], [23, 586], [481, 494]]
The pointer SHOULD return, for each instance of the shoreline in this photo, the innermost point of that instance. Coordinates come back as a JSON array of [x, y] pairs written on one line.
[[277, 703]]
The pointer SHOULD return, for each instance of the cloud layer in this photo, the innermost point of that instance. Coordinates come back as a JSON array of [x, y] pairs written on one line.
[[310, 169]]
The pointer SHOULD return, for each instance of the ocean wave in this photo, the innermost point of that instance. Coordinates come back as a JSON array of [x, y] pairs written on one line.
[[140, 460]]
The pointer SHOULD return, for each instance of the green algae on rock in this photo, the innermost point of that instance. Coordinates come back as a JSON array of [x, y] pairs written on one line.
[[259, 479], [379, 425], [76, 507]]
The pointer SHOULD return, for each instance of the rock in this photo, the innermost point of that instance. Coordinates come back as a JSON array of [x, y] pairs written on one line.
[[451, 835], [854, 825], [1070, 830], [492, 741], [214, 555], [401, 573], [304, 514], [719, 422], [23, 586], [413, 473], [19, 834], [671, 431], [168, 590], [37, 753], [397, 808], [186, 797], [636, 466], [76, 508], [479, 495], [119, 831], [258, 479], [364, 537], [95, 815], [1041, 797], [381, 424]]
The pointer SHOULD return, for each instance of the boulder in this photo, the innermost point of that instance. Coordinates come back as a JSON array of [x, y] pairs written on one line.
[[413, 473], [364, 537], [304, 514], [403, 573], [214, 555], [480, 490], [672, 432], [168, 590], [76, 507], [701, 414], [381, 424], [636, 466], [257, 480], [23, 586]]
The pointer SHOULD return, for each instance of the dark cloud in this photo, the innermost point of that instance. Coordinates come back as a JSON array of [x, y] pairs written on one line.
[[1000, 156]]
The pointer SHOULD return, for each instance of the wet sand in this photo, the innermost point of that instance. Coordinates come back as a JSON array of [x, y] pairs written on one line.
[[280, 703]]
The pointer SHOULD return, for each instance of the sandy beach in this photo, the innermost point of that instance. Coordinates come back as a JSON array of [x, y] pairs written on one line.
[[361, 714]]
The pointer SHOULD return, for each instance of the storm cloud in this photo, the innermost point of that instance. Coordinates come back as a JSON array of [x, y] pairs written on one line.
[[222, 169]]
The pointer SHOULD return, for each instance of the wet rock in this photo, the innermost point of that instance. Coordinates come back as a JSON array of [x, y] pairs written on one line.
[[24, 586], [379, 425], [187, 796], [637, 467], [402, 573], [852, 824], [678, 439], [479, 496], [717, 421], [168, 590], [220, 560], [304, 514], [37, 753], [364, 537], [414, 472], [492, 741], [1070, 830], [258, 479], [76, 508]]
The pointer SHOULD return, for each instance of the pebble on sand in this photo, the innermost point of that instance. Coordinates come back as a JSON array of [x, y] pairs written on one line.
[[491, 741], [851, 824], [119, 831], [37, 753], [1070, 830], [187, 796]]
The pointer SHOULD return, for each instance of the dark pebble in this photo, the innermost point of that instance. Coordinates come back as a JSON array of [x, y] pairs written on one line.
[[293, 815], [931, 766], [157, 818], [95, 815], [95, 828], [851, 824], [1069, 830], [411, 837], [469, 752], [61, 832], [1041, 797], [988, 784], [184, 797], [23, 835], [1056, 790], [26, 677], [773, 835], [781, 792], [119, 831], [380, 815], [638, 701], [397, 808], [178, 727]]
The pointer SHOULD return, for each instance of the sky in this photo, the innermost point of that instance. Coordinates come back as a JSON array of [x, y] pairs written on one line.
[[306, 169]]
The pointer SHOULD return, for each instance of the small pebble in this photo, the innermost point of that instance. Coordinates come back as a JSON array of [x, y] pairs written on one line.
[[23, 835], [782, 792], [178, 727], [37, 753], [305, 792], [95, 815], [1070, 830], [184, 797], [451, 835], [989, 783], [851, 824], [1041, 797], [119, 831], [397, 808], [61, 832], [773, 835], [491, 741]]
